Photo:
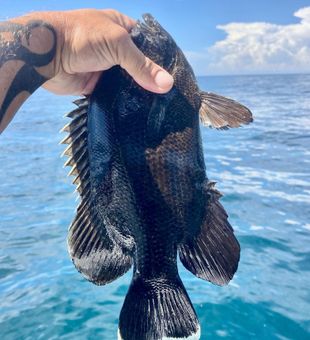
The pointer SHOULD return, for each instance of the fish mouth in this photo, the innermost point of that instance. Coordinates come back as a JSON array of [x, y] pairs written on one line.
[[149, 24], [150, 20]]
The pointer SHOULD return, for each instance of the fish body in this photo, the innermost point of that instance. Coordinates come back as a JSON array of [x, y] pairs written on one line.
[[145, 195]]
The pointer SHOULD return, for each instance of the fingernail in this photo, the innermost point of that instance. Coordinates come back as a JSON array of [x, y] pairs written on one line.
[[163, 80]]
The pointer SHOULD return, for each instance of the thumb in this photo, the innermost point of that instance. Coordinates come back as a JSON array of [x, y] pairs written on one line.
[[145, 72]]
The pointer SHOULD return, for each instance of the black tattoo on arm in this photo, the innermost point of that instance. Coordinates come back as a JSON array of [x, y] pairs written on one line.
[[27, 78]]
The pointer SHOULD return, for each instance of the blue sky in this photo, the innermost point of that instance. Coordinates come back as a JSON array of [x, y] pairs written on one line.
[[218, 36]]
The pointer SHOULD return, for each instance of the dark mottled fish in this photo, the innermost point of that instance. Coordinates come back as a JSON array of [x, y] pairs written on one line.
[[145, 196]]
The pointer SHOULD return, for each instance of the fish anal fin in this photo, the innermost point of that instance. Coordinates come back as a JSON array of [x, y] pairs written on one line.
[[212, 254], [222, 113]]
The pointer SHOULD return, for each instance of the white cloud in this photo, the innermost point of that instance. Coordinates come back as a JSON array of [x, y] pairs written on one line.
[[258, 47]]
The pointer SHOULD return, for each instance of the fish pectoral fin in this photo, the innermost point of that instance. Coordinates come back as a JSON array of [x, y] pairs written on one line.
[[98, 257], [222, 113], [214, 253]]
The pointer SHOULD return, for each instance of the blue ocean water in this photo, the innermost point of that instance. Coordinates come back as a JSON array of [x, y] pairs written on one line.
[[263, 170]]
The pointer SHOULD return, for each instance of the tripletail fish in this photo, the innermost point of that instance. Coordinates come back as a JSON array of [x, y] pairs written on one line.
[[145, 197]]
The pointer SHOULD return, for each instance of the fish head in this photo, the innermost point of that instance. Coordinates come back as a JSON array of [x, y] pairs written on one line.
[[154, 41], [213, 110], [157, 44], [179, 108]]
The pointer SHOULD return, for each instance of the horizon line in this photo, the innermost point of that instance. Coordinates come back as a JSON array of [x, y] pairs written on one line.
[[252, 74]]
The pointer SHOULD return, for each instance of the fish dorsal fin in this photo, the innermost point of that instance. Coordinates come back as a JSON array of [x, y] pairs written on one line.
[[222, 113], [77, 147], [91, 246], [211, 253]]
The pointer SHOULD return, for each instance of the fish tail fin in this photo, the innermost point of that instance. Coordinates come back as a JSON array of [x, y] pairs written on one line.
[[157, 309]]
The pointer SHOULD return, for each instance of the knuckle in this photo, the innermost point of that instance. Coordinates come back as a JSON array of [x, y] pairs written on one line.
[[122, 37], [112, 13], [139, 67], [142, 66], [121, 43]]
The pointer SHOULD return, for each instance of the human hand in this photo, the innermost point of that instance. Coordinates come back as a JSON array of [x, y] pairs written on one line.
[[90, 41], [66, 52]]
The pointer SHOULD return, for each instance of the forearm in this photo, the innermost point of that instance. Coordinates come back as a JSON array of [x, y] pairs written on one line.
[[28, 48]]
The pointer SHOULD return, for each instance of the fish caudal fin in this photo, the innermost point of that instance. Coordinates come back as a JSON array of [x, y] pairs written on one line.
[[158, 309], [214, 253]]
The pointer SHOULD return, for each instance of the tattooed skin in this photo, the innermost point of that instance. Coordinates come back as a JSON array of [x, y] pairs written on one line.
[[15, 44]]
